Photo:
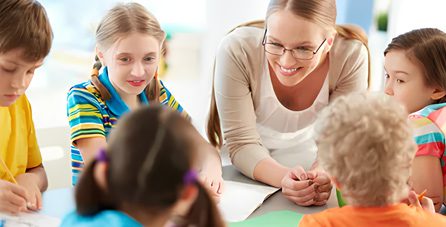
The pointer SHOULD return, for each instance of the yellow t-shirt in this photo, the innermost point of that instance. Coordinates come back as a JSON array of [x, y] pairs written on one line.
[[18, 143]]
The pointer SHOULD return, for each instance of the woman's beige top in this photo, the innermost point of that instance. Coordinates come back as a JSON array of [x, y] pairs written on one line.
[[254, 122]]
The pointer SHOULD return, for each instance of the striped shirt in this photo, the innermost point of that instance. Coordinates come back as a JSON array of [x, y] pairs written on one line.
[[90, 116], [429, 130]]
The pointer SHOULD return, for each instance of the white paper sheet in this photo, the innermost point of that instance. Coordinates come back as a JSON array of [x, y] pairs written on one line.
[[28, 220], [239, 200]]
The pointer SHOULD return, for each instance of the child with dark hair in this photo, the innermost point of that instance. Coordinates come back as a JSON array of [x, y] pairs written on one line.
[[146, 176], [415, 65]]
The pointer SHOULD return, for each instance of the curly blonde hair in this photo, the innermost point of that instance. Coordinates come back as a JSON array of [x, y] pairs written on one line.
[[365, 143]]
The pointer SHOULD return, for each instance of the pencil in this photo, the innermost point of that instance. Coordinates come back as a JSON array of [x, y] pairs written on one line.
[[11, 177], [421, 195]]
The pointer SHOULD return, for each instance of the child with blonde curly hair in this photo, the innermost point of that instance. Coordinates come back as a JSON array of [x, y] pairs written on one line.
[[365, 144]]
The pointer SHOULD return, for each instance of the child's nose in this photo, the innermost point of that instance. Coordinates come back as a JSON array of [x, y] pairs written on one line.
[[19, 82], [388, 88], [138, 69]]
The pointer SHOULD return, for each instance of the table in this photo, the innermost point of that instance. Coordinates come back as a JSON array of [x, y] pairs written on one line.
[[59, 202], [276, 201]]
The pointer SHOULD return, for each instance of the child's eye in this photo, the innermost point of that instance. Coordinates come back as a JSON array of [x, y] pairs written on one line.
[[125, 59], [8, 70], [149, 59], [386, 76], [399, 81]]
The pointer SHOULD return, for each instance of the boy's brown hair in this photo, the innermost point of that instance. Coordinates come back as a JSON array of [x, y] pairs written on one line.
[[24, 24]]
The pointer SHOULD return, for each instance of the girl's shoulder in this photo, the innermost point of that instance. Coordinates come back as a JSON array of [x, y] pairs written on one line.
[[432, 111], [85, 91], [428, 128], [84, 87]]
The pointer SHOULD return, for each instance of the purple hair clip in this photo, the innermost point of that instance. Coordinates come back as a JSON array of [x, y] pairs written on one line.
[[101, 156], [190, 177]]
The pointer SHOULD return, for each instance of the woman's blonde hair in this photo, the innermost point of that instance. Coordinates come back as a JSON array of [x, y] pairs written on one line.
[[426, 47], [321, 12], [365, 142], [120, 21]]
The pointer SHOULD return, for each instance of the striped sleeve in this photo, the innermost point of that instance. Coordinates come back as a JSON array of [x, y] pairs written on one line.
[[166, 98], [84, 116], [428, 136]]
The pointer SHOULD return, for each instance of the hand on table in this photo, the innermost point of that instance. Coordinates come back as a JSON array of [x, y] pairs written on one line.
[[306, 188], [34, 196]]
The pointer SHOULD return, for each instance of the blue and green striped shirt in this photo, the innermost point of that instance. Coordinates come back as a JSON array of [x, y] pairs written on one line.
[[90, 116]]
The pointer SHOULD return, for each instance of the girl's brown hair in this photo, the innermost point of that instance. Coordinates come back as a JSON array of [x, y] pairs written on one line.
[[119, 22], [426, 46], [149, 155], [24, 24], [321, 12]]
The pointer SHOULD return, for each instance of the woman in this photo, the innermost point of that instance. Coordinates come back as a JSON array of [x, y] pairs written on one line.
[[270, 84]]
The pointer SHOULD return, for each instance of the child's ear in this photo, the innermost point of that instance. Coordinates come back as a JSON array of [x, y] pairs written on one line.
[[190, 192], [100, 55], [438, 94], [188, 196], [100, 174]]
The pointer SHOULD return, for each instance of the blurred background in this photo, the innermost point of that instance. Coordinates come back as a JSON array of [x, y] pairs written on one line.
[[194, 29]]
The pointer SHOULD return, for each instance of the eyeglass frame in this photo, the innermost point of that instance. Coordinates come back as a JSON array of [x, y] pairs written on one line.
[[291, 50]]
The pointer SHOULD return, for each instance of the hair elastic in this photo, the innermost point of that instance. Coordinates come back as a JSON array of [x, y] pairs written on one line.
[[101, 156], [190, 177]]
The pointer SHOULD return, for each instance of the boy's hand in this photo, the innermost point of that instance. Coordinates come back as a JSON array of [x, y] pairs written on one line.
[[322, 185], [34, 196], [12, 197], [298, 187], [426, 203]]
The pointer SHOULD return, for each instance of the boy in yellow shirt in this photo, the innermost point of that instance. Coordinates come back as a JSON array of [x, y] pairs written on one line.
[[25, 40], [365, 144]]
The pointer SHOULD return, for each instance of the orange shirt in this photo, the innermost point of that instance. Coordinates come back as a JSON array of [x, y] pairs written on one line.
[[392, 216]]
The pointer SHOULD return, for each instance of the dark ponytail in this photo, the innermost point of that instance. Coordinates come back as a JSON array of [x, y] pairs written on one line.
[[90, 198], [204, 212]]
